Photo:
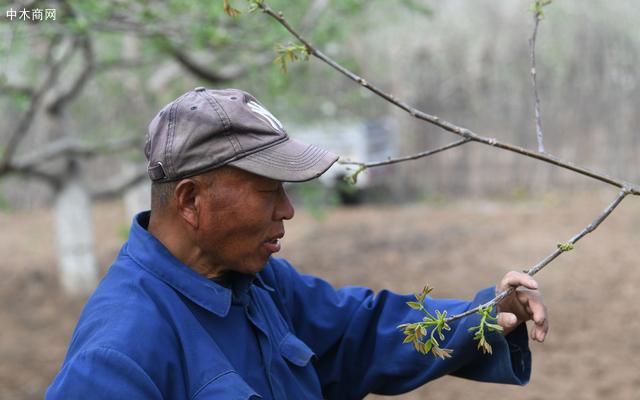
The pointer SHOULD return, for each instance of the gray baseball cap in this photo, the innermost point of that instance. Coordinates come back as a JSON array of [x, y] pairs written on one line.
[[205, 129]]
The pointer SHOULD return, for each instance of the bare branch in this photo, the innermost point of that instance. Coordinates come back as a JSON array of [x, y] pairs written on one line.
[[80, 81], [19, 132], [448, 126], [407, 158], [30, 172], [192, 66], [115, 189], [219, 75], [37, 97], [547, 260], [537, 16], [70, 147]]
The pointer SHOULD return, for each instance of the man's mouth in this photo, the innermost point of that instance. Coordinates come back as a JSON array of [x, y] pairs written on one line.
[[273, 244]]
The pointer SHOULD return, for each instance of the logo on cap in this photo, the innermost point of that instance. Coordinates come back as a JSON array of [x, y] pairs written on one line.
[[273, 121]]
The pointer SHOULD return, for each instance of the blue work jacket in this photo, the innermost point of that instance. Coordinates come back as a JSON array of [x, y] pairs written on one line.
[[155, 329]]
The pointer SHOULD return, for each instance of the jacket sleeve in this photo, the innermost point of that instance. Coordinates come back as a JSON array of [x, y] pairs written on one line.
[[359, 347], [102, 373]]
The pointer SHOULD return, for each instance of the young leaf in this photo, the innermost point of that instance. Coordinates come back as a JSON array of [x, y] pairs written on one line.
[[485, 346], [426, 346], [441, 353], [232, 12], [409, 338]]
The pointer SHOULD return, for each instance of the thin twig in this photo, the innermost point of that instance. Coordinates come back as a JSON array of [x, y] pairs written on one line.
[[547, 260], [448, 126], [407, 158], [532, 46]]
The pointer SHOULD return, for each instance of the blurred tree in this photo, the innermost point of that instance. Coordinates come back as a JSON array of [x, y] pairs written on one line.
[[79, 82]]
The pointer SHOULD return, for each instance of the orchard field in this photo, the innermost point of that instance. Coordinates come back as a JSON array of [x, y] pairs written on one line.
[[592, 352]]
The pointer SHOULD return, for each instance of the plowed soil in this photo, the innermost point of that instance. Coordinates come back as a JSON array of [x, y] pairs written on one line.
[[593, 349]]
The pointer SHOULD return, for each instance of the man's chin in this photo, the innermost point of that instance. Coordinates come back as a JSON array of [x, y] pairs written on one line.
[[253, 268]]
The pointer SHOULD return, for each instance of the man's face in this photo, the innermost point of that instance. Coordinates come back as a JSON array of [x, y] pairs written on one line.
[[241, 220]]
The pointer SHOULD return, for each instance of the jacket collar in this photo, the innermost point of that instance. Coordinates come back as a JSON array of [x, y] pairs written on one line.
[[150, 254]]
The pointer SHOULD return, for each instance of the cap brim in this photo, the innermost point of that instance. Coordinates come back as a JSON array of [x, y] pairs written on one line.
[[288, 161]]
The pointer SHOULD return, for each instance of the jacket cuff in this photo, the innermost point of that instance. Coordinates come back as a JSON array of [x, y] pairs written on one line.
[[511, 359]]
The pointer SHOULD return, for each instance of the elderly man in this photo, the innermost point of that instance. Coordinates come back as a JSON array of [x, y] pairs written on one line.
[[195, 307]]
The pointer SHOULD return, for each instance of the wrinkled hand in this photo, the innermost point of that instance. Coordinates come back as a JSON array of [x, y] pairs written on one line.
[[522, 305]]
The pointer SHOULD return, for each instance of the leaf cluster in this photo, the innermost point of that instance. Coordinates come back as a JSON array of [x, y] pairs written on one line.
[[423, 334], [487, 323], [289, 53], [229, 9], [426, 334]]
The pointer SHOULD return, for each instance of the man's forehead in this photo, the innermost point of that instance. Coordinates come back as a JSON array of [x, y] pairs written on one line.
[[229, 174]]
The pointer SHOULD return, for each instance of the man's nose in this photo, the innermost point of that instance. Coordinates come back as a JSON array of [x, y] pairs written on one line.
[[284, 208]]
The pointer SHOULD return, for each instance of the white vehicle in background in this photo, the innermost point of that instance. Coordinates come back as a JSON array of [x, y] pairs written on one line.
[[363, 141]]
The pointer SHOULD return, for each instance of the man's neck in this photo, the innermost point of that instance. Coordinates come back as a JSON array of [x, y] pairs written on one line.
[[170, 233]]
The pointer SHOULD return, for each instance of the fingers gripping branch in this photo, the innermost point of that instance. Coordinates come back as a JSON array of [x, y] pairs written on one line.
[[547, 260]]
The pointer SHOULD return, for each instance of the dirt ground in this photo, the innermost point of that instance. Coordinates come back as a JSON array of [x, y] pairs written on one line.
[[592, 352]]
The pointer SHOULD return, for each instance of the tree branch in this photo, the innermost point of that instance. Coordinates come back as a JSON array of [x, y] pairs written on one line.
[[562, 247], [537, 16], [69, 147], [37, 97], [115, 189], [31, 172], [407, 158], [83, 42], [192, 66], [221, 75], [56, 106], [448, 126]]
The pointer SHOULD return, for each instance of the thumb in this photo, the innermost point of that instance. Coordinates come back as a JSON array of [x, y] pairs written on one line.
[[508, 321]]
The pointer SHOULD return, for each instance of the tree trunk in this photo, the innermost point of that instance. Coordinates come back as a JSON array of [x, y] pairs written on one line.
[[74, 234]]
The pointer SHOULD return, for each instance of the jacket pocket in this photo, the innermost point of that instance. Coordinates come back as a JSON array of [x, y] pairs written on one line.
[[295, 350], [227, 386]]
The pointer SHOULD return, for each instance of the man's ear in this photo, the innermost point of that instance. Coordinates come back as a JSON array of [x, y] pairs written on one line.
[[187, 193]]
